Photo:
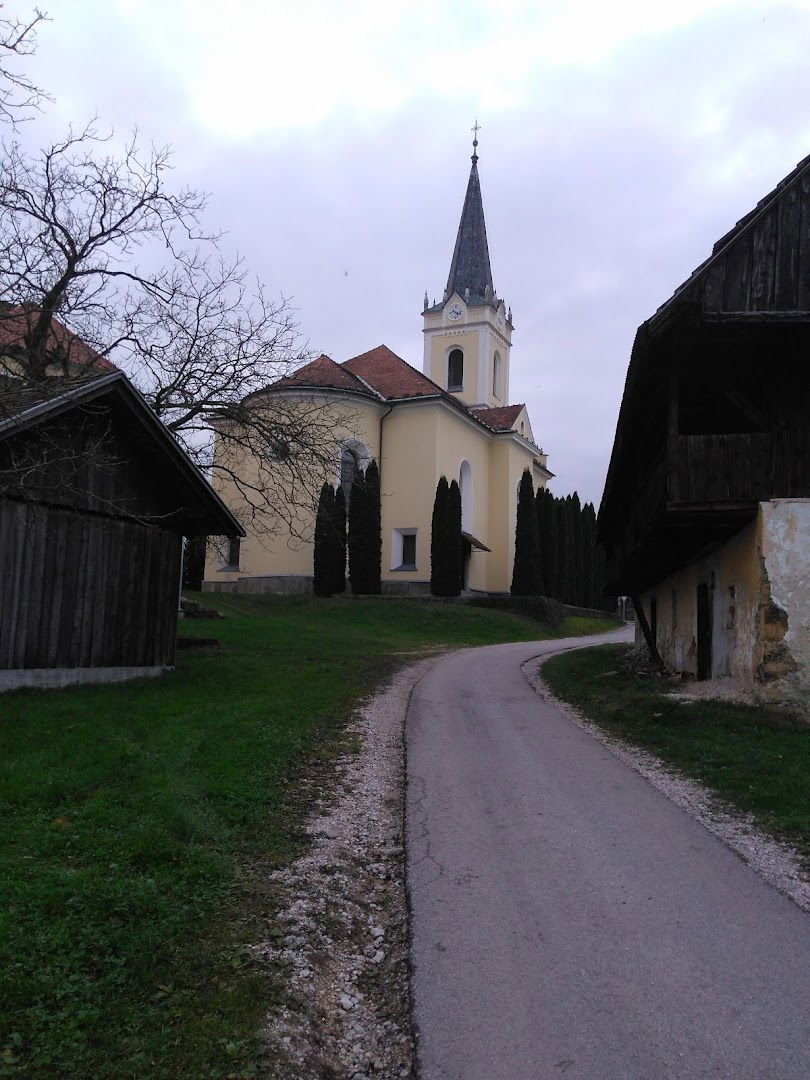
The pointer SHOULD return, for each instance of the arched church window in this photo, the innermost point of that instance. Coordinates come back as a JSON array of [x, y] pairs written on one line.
[[349, 464], [465, 485], [455, 370], [496, 375]]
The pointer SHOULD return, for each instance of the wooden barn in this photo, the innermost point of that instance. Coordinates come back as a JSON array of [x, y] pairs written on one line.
[[706, 512], [95, 499]]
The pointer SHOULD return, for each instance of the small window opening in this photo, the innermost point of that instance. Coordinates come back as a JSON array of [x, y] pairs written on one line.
[[403, 549], [409, 549], [455, 370]]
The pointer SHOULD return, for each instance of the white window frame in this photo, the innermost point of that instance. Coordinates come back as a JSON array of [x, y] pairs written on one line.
[[397, 545]]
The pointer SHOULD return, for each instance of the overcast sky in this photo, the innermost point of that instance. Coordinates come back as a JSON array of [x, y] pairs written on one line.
[[618, 142]]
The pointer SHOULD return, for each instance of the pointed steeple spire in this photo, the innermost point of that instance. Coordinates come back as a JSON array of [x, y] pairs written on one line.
[[470, 269]]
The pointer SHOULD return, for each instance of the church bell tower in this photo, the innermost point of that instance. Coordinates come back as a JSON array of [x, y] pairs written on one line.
[[468, 336]]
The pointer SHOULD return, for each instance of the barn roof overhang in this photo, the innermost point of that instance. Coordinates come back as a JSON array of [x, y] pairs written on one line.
[[202, 512]]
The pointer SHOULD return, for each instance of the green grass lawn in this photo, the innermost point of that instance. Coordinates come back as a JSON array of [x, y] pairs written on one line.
[[757, 758], [139, 821]]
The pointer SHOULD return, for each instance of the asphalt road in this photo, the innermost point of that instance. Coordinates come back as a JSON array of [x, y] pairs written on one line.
[[567, 919]]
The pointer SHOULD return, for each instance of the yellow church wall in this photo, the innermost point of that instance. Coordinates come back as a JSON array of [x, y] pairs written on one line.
[[408, 464], [459, 442], [421, 441], [288, 549], [508, 459]]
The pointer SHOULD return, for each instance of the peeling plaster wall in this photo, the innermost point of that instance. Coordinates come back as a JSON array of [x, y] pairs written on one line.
[[759, 588], [732, 575], [785, 659]]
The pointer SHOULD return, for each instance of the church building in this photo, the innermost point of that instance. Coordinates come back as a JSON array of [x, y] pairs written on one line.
[[452, 418]]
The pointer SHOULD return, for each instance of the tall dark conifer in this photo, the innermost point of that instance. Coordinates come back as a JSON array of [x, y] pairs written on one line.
[[339, 569], [374, 529], [365, 539], [323, 555], [547, 535], [561, 516], [578, 591], [441, 583], [589, 521], [525, 573], [455, 551], [357, 533]]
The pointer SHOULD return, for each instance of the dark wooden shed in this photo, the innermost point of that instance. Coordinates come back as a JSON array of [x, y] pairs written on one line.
[[714, 418], [95, 499]]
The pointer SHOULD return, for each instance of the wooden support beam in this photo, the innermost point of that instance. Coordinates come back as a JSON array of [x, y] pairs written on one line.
[[652, 648]]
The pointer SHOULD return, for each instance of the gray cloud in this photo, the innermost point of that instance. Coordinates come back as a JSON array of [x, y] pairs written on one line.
[[603, 189]]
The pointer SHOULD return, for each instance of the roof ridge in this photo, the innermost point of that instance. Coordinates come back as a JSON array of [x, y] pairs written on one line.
[[728, 238]]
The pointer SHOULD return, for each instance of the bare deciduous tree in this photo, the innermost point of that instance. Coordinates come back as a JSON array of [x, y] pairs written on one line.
[[99, 259], [18, 94]]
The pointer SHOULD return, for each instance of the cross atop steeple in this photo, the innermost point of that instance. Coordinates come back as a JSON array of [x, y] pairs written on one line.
[[475, 129]]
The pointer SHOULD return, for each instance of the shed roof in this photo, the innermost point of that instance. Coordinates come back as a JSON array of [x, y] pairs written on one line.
[[202, 511]]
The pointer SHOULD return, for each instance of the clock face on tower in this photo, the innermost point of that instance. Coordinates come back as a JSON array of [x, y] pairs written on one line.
[[455, 311]]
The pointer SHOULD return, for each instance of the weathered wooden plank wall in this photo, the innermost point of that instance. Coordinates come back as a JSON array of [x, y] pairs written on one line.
[[766, 265], [85, 591]]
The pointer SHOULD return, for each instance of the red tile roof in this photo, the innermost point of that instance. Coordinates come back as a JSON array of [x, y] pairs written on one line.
[[390, 375], [14, 322], [500, 419], [324, 372], [381, 373]]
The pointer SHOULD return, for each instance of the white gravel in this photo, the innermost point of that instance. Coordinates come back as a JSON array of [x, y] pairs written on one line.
[[778, 863], [344, 914]]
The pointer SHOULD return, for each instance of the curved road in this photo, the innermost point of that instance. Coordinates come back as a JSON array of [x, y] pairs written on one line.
[[567, 919]]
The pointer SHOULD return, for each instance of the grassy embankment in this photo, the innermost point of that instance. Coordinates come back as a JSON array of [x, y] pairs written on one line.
[[756, 758], [139, 821]]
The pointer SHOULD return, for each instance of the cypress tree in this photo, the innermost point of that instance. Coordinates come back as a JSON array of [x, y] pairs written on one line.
[[561, 515], [323, 568], [547, 534], [455, 551], [525, 573], [357, 539], [373, 530], [339, 522], [578, 552], [365, 538], [440, 568], [589, 519]]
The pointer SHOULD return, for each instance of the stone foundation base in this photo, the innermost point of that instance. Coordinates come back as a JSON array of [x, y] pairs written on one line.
[[56, 678], [301, 585]]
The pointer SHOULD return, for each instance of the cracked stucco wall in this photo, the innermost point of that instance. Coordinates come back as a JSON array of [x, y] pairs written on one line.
[[732, 575], [759, 587], [784, 666]]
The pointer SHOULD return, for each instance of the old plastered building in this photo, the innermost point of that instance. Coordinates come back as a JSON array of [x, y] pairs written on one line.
[[453, 418], [706, 510]]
